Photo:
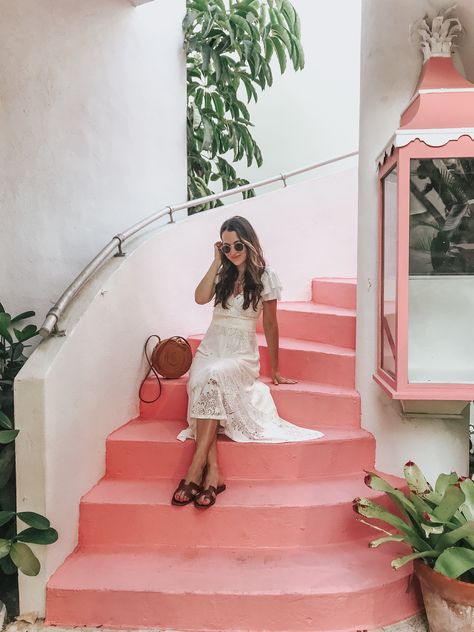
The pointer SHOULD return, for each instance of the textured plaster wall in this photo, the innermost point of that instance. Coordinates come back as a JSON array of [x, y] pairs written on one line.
[[92, 113], [390, 67]]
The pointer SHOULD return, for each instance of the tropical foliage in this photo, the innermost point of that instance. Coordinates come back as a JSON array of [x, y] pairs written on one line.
[[14, 550], [229, 49], [438, 524]]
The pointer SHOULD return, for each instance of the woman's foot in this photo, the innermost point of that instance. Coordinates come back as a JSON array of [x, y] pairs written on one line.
[[189, 488], [212, 485]]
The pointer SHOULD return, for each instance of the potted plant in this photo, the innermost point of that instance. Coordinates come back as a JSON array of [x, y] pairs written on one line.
[[14, 550], [438, 525]]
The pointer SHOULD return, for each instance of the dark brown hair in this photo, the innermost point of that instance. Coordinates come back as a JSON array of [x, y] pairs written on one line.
[[254, 265]]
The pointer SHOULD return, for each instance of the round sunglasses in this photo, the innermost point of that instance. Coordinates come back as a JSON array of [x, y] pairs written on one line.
[[238, 247]]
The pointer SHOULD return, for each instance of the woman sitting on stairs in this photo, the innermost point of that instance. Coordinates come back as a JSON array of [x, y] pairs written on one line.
[[225, 394]]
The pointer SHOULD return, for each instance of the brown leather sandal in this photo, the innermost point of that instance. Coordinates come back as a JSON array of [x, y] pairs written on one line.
[[210, 493], [191, 489]]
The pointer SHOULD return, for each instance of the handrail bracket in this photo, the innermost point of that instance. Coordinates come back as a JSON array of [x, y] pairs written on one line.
[[59, 333], [120, 238]]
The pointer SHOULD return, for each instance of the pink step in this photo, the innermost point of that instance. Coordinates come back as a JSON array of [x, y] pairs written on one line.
[[331, 588], [282, 549], [306, 360], [148, 449], [258, 513], [307, 404], [321, 323], [337, 292]]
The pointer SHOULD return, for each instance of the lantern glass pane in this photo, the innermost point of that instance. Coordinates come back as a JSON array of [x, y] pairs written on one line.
[[389, 273], [441, 216], [441, 271]]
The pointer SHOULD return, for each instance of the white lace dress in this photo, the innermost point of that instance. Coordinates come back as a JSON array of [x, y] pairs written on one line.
[[223, 381]]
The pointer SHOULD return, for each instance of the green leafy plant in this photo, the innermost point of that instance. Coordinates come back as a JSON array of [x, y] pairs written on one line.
[[438, 524], [229, 48], [14, 550]]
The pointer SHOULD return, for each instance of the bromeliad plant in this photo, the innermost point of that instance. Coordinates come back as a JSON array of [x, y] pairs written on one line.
[[14, 551], [438, 524]]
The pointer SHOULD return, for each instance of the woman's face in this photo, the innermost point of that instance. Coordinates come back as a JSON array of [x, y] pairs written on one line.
[[230, 238]]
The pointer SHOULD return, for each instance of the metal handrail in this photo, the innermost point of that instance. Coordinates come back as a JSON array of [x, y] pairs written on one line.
[[52, 317]]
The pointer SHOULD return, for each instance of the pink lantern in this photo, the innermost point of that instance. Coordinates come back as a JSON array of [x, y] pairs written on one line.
[[426, 242]]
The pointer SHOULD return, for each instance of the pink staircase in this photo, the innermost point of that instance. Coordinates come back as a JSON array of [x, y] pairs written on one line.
[[281, 549]]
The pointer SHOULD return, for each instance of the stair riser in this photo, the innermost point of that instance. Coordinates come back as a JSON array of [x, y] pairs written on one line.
[[304, 408], [330, 329], [326, 368], [158, 525], [151, 460], [172, 404], [338, 294], [313, 409], [310, 366], [233, 612]]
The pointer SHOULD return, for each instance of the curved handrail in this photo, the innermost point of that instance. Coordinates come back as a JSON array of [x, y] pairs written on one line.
[[53, 315]]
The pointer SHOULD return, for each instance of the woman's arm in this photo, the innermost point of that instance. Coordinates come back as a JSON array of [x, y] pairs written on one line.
[[206, 288], [270, 327]]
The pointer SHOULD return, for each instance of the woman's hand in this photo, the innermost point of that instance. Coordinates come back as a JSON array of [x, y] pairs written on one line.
[[217, 251], [278, 379]]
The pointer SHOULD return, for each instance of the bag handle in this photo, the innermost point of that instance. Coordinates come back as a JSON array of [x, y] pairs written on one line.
[[152, 368]]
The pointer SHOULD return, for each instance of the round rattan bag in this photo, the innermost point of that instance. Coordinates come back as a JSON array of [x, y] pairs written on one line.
[[171, 358]]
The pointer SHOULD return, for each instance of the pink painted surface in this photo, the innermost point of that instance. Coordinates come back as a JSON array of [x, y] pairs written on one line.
[[320, 323], [306, 360], [308, 404], [281, 550], [435, 110], [401, 388], [438, 110], [148, 449], [338, 292], [255, 513], [440, 73], [323, 589]]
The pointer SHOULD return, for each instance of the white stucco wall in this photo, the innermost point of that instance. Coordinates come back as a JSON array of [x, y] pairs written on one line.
[[92, 108], [75, 390], [390, 68], [313, 114]]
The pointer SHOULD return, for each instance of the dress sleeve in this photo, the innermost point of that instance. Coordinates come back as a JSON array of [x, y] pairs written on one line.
[[272, 286]]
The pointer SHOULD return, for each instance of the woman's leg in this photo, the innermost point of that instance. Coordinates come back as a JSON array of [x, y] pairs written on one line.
[[206, 430], [213, 475]]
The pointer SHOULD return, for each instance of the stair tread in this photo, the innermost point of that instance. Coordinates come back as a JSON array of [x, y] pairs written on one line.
[[328, 569], [301, 385], [336, 280], [240, 493], [286, 342], [313, 387], [316, 308], [150, 429]]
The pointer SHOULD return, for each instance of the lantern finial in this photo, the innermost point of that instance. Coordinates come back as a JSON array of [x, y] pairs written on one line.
[[436, 33]]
